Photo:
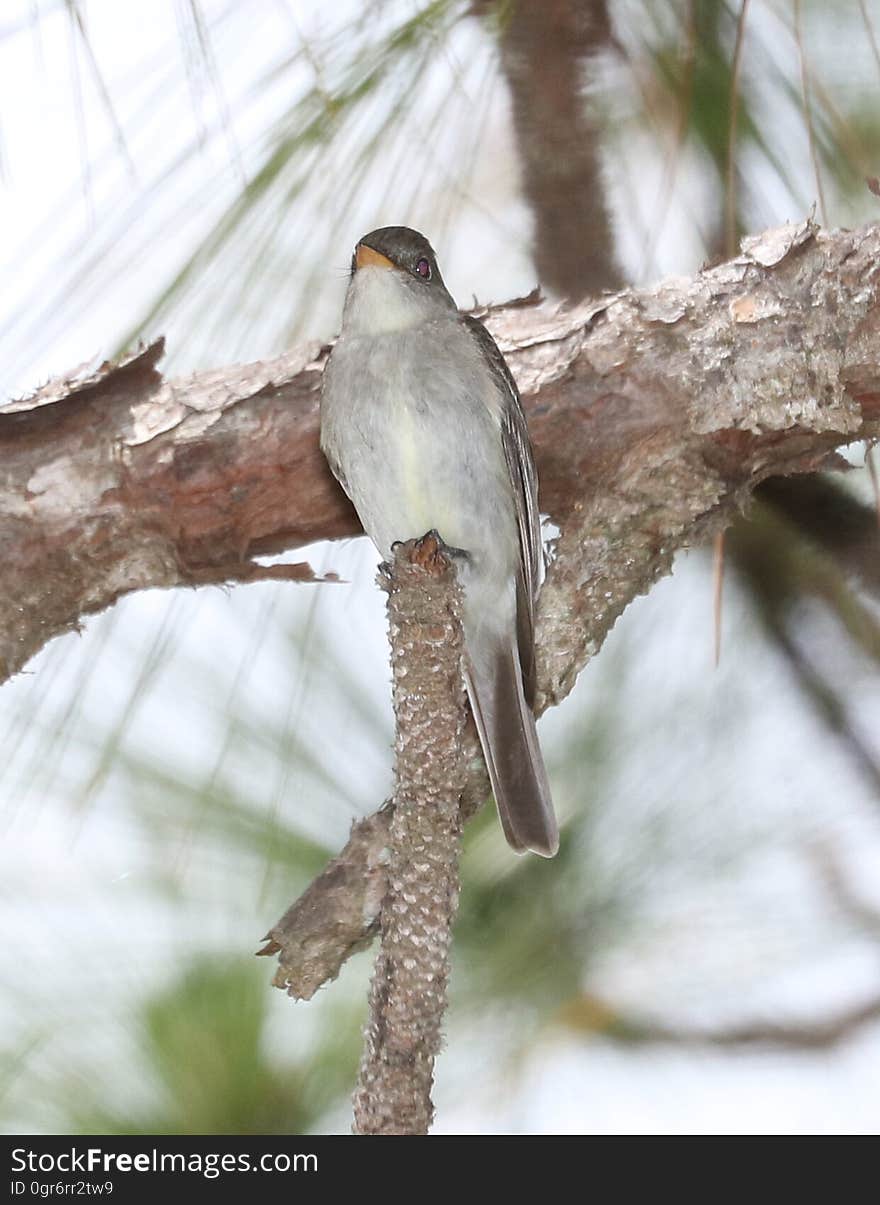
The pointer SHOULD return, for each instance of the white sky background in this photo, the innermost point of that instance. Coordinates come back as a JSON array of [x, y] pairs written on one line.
[[58, 217], [78, 866]]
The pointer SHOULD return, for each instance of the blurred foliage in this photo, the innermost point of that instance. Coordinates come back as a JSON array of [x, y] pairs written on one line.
[[784, 569], [370, 108], [202, 1046]]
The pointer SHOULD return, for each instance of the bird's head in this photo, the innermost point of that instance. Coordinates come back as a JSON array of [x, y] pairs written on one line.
[[395, 283]]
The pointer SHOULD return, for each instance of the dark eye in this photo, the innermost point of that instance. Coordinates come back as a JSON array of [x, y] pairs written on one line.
[[424, 269]]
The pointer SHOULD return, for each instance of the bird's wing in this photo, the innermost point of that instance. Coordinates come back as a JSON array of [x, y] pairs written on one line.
[[329, 434], [524, 482]]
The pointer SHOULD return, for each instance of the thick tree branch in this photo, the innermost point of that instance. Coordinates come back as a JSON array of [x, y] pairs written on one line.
[[747, 391], [653, 414], [689, 395], [548, 52], [117, 480]]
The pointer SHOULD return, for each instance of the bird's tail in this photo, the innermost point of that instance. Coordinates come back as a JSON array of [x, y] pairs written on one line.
[[506, 727]]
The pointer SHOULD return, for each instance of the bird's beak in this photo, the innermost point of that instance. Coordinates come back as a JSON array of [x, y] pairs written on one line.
[[366, 257]]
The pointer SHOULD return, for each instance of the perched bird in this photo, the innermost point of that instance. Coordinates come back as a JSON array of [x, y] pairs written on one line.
[[421, 423]]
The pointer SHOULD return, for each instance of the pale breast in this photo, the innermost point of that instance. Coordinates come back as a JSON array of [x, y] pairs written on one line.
[[411, 417]]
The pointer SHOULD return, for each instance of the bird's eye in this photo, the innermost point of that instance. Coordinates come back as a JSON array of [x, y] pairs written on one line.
[[424, 269]]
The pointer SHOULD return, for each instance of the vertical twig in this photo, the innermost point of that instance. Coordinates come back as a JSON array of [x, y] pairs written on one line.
[[875, 482], [730, 206], [717, 590], [408, 990], [807, 104]]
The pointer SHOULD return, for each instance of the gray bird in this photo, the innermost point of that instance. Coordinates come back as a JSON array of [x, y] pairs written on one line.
[[422, 425]]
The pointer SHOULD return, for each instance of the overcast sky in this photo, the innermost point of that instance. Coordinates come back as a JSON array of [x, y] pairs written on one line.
[[78, 863]]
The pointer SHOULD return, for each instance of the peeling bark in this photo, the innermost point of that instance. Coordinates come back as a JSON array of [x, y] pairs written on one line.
[[654, 417], [653, 413], [117, 480]]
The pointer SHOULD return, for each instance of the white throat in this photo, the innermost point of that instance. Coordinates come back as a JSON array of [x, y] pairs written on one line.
[[380, 301]]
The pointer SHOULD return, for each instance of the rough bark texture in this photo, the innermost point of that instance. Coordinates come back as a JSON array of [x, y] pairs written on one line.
[[730, 416], [408, 990], [547, 51], [337, 915], [680, 415], [653, 414], [116, 480]]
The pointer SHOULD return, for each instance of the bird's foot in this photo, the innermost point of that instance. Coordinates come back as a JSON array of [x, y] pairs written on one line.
[[431, 547], [428, 552]]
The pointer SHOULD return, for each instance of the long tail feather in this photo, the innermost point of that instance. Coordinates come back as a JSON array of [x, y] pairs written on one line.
[[506, 727]]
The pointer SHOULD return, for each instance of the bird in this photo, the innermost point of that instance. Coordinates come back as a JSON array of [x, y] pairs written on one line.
[[423, 427]]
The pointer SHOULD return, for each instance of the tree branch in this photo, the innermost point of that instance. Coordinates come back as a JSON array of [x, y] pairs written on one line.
[[595, 1016], [338, 914], [548, 52], [117, 480], [408, 990], [654, 414], [653, 422]]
